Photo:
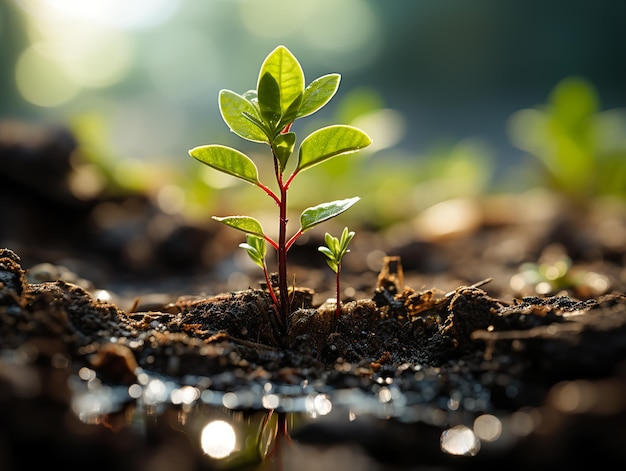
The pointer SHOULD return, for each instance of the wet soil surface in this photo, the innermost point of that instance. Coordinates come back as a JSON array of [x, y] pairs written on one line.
[[557, 356], [516, 318]]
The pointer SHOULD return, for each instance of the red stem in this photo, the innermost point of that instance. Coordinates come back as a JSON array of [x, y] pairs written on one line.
[[293, 239], [283, 305], [269, 286], [290, 179], [269, 192], [282, 257], [271, 242], [338, 300]]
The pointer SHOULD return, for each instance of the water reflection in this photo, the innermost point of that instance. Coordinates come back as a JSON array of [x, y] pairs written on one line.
[[254, 426], [460, 440], [488, 427], [218, 439], [318, 405]]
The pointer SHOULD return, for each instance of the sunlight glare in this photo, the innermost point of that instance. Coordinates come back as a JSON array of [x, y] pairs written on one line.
[[119, 14], [41, 81], [77, 44]]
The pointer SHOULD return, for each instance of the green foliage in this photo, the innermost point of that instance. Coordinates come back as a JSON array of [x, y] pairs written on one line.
[[329, 142], [336, 248], [311, 217], [256, 248], [246, 224], [582, 148], [227, 160], [265, 115]]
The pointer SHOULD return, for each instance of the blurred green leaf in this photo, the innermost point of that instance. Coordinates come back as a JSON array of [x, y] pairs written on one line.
[[582, 149], [573, 100], [357, 102]]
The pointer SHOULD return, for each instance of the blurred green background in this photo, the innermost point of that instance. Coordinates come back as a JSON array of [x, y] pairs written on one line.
[[457, 95]]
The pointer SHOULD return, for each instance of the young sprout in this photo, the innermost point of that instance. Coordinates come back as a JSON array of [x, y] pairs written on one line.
[[266, 116], [335, 249], [257, 250]]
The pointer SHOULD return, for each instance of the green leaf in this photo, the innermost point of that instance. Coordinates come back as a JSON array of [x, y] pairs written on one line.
[[346, 237], [331, 242], [246, 224], [318, 93], [283, 147], [335, 248], [290, 115], [330, 260], [227, 160], [281, 82], [256, 248], [573, 100], [237, 112], [311, 217], [269, 100], [330, 142]]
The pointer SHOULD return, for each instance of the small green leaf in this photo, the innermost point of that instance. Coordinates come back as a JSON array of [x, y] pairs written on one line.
[[331, 242], [256, 248], [311, 217], [290, 114], [281, 82], [336, 249], [227, 160], [318, 93], [283, 147], [573, 100], [269, 100], [246, 224], [242, 116], [329, 142], [330, 258], [346, 237]]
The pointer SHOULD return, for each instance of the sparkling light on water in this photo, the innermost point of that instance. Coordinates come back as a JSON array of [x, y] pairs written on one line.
[[488, 427], [218, 439], [460, 440]]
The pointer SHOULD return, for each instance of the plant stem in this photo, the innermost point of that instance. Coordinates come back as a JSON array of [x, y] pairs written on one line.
[[338, 300], [281, 249], [282, 257], [270, 287]]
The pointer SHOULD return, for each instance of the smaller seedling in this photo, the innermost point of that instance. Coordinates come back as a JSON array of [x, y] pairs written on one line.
[[582, 148], [335, 249]]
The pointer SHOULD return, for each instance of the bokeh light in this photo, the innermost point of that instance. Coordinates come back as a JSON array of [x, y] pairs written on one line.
[[218, 439], [460, 441], [426, 82]]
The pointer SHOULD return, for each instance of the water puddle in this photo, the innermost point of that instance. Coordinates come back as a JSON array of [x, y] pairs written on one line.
[[270, 424]]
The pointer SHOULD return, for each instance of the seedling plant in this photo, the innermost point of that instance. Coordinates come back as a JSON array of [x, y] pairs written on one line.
[[266, 115], [335, 249]]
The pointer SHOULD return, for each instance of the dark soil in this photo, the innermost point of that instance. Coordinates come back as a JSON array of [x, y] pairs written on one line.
[[440, 325]]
